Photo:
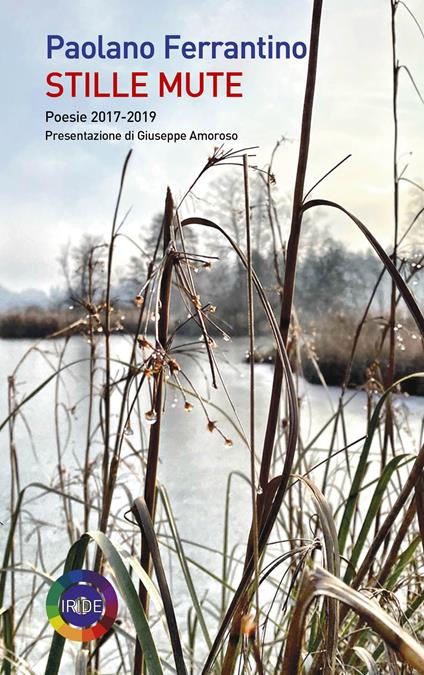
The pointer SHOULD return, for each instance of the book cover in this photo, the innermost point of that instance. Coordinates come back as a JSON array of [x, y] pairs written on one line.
[[211, 337]]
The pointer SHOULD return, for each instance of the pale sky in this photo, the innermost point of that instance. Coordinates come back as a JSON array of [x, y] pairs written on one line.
[[53, 192]]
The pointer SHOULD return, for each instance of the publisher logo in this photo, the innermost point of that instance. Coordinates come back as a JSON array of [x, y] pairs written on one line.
[[81, 605]]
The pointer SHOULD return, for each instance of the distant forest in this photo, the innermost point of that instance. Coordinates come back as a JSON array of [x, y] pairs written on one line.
[[332, 281], [334, 286]]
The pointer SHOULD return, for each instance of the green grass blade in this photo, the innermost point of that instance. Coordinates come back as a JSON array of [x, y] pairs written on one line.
[[74, 560], [374, 507], [363, 462], [129, 594], [184, 565], [403, 561], [8, 642]]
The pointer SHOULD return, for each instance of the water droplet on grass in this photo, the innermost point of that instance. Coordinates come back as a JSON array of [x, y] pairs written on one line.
[[150, 416]]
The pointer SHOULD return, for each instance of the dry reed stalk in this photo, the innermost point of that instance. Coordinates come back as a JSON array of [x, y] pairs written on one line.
[[109, 470], [159, 387], [286, 309], [389, 427], [293, 243], [92, 369], [252, 420]]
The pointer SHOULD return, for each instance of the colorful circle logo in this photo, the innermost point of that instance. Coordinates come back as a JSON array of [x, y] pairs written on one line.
[[82, 605]]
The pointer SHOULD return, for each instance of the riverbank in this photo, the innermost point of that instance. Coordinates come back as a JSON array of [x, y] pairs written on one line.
[[320, 352]]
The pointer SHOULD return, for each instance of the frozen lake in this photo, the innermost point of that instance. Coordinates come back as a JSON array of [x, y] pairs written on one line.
[[195, 464]]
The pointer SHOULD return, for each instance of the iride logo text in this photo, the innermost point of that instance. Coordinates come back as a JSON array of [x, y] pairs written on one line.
[[82, 605]]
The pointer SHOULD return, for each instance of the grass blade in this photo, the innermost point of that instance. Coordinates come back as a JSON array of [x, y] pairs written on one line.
[[184, 565], [391, 268], [144, 521], [320, 582], [362, 463], [129, 593], [373, 509]]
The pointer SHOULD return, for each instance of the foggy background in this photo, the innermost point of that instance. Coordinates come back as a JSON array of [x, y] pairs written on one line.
[[53, 193]]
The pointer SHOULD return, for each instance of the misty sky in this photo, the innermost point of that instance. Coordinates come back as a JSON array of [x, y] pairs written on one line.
[[53, 192]]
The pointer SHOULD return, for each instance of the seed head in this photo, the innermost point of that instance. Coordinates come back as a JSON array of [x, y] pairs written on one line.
[[174, 366], [143, 342]]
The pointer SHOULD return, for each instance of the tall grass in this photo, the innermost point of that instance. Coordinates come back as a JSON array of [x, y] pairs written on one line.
[[329, 577]]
